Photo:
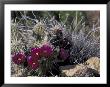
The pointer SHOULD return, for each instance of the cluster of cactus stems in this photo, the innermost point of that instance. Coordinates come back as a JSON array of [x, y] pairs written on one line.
[[39, 45]]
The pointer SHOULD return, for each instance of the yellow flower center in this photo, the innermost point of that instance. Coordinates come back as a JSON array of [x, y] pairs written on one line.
[[37, 54], [19, 58], [34, 63]]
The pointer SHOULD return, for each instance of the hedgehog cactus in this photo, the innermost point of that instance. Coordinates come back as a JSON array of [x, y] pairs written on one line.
[[39, 30]]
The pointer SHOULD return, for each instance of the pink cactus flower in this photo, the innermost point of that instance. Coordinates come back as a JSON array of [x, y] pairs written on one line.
[[36, 52], [32, 63], [19, 58], [46, 50]]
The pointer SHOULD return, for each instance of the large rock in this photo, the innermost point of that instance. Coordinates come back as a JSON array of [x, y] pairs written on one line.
[[91, 68], [72, 70], [94, 63]]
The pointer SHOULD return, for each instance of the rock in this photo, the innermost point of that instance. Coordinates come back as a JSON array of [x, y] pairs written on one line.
[[90, 68], [87, 72], [71, 70], [94, 63]]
